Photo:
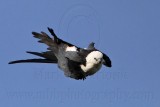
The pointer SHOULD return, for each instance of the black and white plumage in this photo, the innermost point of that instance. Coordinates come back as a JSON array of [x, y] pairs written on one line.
[[76, 62]]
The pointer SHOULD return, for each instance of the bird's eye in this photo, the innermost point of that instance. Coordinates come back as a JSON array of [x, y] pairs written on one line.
[[95, 59]]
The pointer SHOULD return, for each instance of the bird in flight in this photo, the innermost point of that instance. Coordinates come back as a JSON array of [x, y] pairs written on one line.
[[76, 62]]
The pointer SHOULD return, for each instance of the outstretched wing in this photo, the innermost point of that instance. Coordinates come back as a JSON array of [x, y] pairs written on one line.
[[52, 43], [44, 38], [58, 40], [78, 56]]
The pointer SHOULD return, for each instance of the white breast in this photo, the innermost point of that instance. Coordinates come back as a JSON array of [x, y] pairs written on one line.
[[93, 63], [91, 68]]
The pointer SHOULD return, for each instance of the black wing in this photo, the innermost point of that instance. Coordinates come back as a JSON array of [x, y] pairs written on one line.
[[75, 70], [91, 46], [78, 56], [58, 40], [52, 43], [106, 61]]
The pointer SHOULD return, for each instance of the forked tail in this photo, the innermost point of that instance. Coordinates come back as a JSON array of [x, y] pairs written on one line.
[[47, 57]]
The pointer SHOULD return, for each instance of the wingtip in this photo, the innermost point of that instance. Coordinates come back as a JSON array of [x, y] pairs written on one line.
[[52, 33], [50, 29], [110, 65], [92, 43], [107, 61], [35, 34]]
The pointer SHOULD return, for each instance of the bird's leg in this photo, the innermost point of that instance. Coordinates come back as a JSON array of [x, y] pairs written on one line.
[[84, 77]]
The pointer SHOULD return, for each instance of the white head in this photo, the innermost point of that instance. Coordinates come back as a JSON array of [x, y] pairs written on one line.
[[94, 57]]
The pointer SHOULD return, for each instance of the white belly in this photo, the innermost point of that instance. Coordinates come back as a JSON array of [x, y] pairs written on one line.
[[91, 68]]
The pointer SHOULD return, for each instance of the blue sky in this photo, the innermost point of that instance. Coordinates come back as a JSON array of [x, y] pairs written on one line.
[[128, 31]]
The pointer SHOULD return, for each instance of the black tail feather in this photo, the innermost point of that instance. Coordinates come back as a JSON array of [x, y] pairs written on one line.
[[47, 55], [33, 61], [35, 53]]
